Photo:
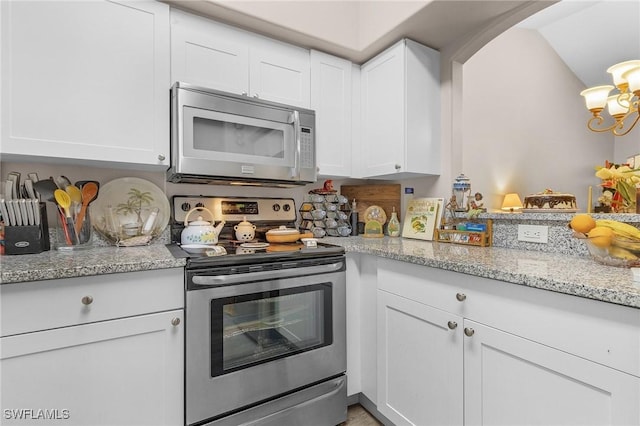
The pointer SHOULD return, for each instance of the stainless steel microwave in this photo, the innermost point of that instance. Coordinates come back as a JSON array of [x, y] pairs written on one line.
[[219, 137]]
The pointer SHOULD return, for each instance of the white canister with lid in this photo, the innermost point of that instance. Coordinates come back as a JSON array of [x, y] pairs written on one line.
[[245, 231]]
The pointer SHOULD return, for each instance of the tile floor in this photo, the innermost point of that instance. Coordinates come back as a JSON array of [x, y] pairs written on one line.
[[358, 416]]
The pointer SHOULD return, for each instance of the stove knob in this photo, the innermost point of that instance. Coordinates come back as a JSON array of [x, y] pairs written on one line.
[[286, 207], [199, 205], [276, 207], [185, 207]]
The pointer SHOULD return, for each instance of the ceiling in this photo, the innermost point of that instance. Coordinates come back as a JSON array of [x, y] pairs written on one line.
[[590, 36], [355, 30]]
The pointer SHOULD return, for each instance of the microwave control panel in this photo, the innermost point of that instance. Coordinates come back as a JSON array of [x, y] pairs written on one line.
[[306, 148]]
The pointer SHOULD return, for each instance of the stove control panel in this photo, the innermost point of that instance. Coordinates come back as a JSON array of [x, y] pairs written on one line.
[[235, 209]]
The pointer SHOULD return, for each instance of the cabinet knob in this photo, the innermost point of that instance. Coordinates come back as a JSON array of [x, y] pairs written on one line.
[[161, 157], [461, 297], [452, 325], [398, 166], [175, 322], [469, 331], [87, 300]]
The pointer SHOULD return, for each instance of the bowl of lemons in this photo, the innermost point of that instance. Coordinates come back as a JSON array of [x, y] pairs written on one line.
[[609, 242]]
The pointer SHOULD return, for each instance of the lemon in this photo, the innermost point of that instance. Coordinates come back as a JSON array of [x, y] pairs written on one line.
[[582, 223], [601, 236]]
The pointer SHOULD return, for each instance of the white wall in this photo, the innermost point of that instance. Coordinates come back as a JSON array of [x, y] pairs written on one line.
[[524, 123], [104, 175]]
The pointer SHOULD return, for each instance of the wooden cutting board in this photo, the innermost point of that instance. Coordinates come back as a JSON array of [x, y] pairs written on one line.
[[386, 196]]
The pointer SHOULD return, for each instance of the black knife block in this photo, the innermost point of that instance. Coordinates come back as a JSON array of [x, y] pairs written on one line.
[[28, 239]]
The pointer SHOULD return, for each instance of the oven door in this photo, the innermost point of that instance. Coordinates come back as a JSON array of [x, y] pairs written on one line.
[[252, 337]]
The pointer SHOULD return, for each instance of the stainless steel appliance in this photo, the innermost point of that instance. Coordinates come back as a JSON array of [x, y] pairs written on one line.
[[219, 137], [265, 327]]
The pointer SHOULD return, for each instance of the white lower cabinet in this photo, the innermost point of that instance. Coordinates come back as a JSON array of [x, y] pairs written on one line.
[[362, 363], [96, 350], [120, 372], [455, 349], [510, 380], [419, 363]]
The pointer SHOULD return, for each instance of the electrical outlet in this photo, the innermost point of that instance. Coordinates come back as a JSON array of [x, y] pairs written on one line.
[[533, 233]]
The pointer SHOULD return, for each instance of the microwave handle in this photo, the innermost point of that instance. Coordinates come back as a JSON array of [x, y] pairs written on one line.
[[295, 171]]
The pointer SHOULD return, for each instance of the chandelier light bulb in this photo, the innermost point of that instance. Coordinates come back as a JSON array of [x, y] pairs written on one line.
[[623, 105], [617, 105], [618, 71], [632, 76], [596, 97]]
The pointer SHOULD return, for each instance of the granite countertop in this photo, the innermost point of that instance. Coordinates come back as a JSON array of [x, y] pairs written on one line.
[[574, 275], [55, 264]]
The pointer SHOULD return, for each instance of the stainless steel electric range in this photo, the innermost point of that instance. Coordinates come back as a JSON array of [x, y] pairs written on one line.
[[265, 327]]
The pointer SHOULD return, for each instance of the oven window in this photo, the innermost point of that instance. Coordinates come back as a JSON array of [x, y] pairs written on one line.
[[236, 138], [256, 328]]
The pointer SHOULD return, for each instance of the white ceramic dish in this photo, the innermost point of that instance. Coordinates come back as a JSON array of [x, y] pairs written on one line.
[[254, 245], [201, 248], [127, 196]]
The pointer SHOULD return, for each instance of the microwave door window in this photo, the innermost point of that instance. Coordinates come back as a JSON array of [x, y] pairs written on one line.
[[227, 137], [235, 138]]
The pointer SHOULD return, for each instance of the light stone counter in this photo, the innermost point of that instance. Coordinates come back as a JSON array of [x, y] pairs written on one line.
[[574, 275], [55, 264]]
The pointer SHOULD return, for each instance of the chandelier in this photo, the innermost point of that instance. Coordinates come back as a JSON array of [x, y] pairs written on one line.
[[622, 105]]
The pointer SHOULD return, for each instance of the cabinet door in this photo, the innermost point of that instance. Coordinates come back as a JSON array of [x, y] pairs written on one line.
[[120, 372], [419, 363], [86, 82], [331, 99], [513, 381], [208, 54], [279, 72], [383, 124]]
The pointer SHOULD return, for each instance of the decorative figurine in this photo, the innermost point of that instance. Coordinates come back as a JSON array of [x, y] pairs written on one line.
[[327, 188], [462, 192], [476, 206]]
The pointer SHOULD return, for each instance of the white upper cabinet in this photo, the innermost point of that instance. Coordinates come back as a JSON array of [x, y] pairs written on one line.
[[213, 55], [331, 99], [400, 134], [86, 82], [207, 54]]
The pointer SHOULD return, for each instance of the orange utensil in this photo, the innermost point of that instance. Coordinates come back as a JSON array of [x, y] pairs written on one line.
[[89, 193]]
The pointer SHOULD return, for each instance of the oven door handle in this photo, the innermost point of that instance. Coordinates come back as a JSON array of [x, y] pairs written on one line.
[[213, 280]]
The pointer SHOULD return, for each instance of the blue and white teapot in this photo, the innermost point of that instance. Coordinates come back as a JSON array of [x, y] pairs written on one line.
[[200, 231]]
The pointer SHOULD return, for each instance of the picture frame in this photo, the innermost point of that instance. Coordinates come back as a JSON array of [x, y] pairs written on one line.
[[422, 218]]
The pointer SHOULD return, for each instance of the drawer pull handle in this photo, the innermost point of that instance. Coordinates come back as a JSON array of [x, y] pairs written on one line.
[[469, 331], [452, 325], [461, 297], [87, 300], [175, 322]]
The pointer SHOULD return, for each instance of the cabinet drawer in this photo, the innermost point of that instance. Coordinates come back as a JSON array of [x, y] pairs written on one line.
[[602, 332], [42, 305]]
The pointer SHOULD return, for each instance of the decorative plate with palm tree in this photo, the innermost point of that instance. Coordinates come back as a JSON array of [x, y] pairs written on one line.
[[130, 209]]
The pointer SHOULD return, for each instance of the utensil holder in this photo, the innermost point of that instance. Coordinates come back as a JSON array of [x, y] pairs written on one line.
[[69, 239], [29, 239]]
